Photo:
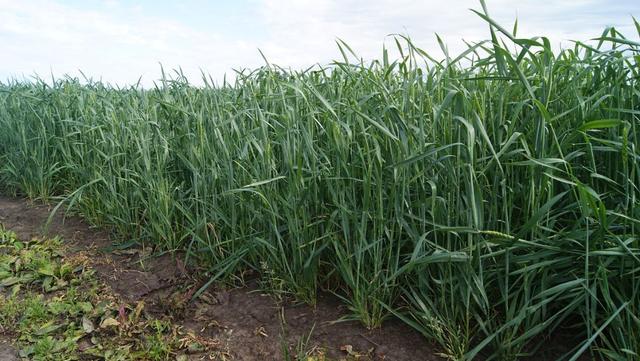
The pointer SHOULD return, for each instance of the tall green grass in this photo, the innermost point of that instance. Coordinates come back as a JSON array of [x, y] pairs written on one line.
[[489, 200]]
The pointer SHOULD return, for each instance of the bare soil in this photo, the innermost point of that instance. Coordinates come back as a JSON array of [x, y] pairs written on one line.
[[243, 323], [7, 352]]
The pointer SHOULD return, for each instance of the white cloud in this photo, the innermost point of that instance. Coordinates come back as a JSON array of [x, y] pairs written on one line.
[[46, 35], [305, 30]]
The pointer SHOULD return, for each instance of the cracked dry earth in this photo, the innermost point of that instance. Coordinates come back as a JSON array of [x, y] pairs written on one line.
[[240, 323]]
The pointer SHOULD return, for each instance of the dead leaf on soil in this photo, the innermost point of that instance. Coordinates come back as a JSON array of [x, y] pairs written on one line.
[[109, 322], [87, 325]]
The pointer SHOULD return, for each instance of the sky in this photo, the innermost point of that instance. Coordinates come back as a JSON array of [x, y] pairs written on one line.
[[120, 42]]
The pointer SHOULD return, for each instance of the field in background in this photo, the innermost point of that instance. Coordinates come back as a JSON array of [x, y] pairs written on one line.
[[488, 200]]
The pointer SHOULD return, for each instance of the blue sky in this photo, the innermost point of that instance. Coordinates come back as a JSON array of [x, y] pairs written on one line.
[[119, 41]]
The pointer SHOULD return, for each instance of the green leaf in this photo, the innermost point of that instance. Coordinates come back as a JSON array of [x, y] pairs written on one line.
[[9, 281], [47, 328], [600, 124]]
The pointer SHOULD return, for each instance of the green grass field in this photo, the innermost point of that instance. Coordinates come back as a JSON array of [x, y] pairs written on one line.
[[487, 200]]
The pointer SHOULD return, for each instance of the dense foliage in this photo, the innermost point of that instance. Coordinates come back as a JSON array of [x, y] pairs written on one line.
[[488, 200]]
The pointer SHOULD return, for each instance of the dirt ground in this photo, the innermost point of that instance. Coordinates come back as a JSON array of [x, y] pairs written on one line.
[[243, 322], [7, 352]]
